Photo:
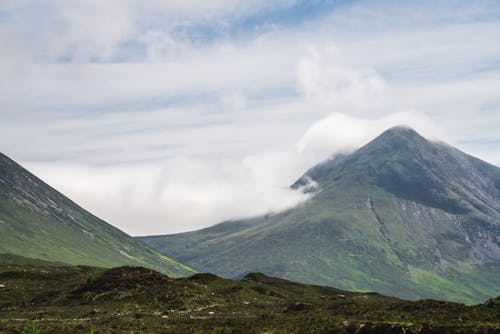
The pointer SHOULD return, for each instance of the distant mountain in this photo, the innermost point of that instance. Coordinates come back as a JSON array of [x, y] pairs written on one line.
[[39, 222], [402, 216]]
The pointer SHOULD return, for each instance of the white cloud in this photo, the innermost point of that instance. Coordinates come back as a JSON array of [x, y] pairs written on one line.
[[176, 195], [341, 133], [127, 108], [95, 30], [179, 194], [328, 83]]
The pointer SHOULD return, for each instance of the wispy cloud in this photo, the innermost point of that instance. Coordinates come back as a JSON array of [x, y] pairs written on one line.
[[168, 116]]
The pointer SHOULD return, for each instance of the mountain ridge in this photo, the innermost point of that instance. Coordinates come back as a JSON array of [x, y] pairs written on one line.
[[39, 222], [402, 216]]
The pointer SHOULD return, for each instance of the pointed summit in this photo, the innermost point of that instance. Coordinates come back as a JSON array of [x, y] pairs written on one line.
[[396, 139], [400, 133], [400, 145], [403, 130], [409, 166], [397, 143]]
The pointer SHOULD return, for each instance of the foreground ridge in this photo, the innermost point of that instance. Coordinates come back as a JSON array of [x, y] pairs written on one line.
[[54, 299]]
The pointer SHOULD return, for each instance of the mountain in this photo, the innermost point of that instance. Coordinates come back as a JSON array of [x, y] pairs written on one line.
[[39, 222], [45, 298], [402, 216]]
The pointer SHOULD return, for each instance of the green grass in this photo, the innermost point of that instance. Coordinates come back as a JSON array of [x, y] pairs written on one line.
[[41, 298]]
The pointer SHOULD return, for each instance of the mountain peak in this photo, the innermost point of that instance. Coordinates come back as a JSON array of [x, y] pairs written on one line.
[[402, 130], [399, 135], [406, 215], [396, 143], [407, 165], [400, 141]]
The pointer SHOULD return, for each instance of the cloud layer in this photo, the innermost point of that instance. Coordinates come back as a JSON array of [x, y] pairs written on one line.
[[169, 116]]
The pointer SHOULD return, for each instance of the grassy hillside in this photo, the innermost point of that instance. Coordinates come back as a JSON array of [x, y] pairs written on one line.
[[63, 299], [401, 216], [39, 222]]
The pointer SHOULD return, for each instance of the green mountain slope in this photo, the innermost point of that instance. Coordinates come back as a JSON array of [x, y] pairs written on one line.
[[39, 222], [402, 216]]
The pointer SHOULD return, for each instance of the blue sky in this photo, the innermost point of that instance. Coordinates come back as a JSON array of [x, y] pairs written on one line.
[[174, 113]]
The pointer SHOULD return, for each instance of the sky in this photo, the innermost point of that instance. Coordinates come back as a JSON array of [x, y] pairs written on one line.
[[167, 116]]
